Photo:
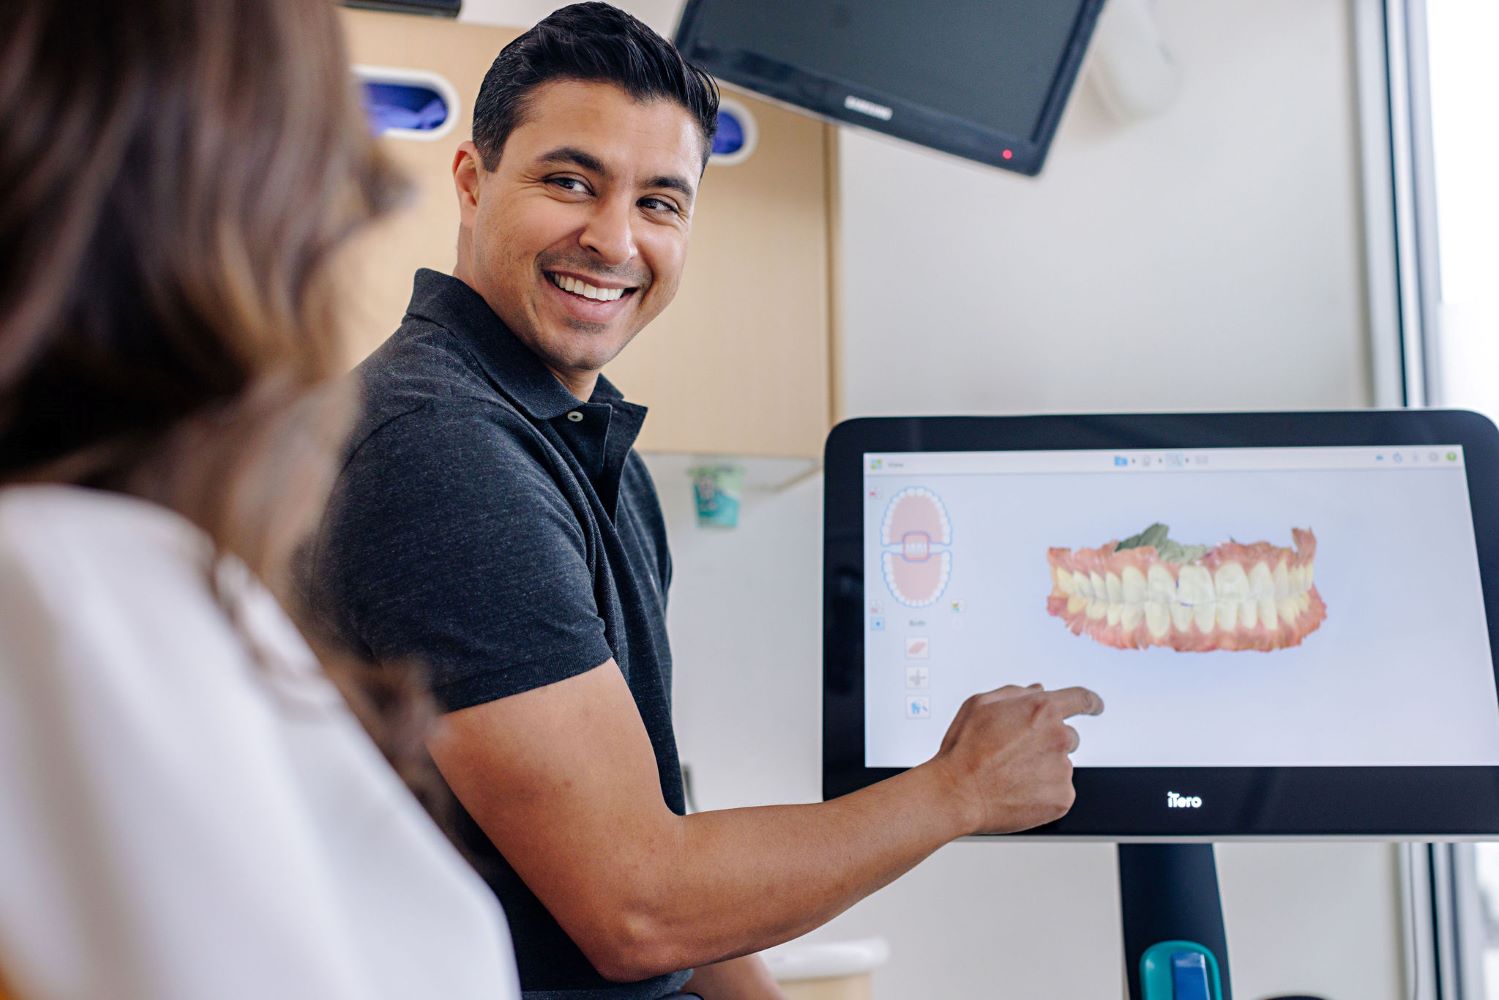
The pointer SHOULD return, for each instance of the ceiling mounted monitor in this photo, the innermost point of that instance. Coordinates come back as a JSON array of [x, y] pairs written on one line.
[[435, 8], [981, 79]]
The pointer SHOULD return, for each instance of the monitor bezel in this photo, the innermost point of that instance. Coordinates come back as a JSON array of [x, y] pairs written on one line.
[[1128, 803], [826, 96]]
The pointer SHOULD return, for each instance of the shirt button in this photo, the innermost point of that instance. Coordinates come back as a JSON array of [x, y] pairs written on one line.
[[575, 416]]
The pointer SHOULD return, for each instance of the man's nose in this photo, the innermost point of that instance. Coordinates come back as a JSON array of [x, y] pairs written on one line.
[[609, 232]]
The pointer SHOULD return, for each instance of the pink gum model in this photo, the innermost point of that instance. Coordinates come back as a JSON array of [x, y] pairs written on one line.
[[1258, 596]]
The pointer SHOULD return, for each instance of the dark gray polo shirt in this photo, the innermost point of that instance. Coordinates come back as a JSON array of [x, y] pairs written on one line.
[[493, 526]]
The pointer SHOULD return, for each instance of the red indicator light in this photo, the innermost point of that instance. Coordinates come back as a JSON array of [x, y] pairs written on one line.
[[1008, 154]]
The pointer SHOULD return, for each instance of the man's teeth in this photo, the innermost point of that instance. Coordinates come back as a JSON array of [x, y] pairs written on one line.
[[584, 289]]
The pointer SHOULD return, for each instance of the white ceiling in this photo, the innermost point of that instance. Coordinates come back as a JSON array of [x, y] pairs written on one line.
[[659, 14]]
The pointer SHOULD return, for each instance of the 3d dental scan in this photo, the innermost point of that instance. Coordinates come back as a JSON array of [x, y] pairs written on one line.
[[1149, 590]]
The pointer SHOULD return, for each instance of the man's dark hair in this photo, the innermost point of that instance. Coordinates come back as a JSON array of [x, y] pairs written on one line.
[[592, 42]]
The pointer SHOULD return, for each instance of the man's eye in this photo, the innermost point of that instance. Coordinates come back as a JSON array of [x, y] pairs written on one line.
[[658, 205], [569, 184]]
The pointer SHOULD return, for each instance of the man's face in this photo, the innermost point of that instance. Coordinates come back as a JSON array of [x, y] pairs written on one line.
[[579, 234]]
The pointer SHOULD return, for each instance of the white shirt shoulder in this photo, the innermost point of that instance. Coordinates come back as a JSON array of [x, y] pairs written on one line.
[[187, 808]]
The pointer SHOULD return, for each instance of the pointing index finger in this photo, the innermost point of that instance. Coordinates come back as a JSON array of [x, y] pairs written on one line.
[[1076, 701]]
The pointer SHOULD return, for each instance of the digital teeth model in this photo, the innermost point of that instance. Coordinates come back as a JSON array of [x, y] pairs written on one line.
[[1151, 591], [584, 289]]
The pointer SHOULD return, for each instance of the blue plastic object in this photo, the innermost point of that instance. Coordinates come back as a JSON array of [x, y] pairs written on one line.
[[1189, 976], [729, 139], [403, 105], [1180, 970]]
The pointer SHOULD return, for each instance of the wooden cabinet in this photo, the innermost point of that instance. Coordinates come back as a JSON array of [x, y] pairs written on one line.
[[739, 364], [424, 232]]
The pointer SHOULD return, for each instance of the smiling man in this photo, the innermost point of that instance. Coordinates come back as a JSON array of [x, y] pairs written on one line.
[[577, 246], [494, 522]]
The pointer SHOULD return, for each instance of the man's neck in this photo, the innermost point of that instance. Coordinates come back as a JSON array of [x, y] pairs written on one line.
[[580, 384]]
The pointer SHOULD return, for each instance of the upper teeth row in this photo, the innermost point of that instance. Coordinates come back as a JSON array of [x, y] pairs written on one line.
[[586, 290], [1196, 586], [1228, 599]]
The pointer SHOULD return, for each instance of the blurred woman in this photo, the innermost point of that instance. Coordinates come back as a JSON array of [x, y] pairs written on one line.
[[188, 808]]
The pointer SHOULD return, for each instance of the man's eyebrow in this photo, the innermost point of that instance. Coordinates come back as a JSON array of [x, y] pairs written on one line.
[[673, 183], [576, 157]]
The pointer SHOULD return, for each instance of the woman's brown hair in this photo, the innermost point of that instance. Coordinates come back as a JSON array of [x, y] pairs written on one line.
[[176, 180]]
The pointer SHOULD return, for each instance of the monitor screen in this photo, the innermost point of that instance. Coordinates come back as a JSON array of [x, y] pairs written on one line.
[[1238, 607], [1286, 615], [984, 80]]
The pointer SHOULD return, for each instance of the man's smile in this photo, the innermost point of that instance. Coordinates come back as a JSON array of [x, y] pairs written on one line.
[[589, 287], [588, 299]]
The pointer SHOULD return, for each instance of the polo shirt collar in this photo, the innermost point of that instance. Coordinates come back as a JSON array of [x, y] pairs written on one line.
[[599, 433], [511, 366]]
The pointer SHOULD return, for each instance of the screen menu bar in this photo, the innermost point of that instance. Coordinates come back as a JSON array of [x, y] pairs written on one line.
[[1158, 462]]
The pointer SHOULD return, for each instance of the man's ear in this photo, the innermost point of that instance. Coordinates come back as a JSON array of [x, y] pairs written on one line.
[[467, 169]]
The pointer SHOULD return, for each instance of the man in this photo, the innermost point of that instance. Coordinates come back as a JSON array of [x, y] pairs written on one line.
[[494, 522]]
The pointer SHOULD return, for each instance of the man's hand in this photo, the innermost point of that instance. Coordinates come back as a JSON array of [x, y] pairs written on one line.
[[1007, 751]]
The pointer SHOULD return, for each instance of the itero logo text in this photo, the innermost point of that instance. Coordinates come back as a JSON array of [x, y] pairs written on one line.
[[1175, 801]]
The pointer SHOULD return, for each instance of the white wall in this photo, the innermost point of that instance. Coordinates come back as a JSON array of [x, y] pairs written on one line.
[[1206, 259], [659, 14], [1464, 79]]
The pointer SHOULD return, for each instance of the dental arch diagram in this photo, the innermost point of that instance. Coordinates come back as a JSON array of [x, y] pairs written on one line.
[[916, 547]]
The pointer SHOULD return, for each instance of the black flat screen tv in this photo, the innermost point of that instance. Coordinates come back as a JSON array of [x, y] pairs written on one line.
[[1291, 617], [434, 8], [982, 79]]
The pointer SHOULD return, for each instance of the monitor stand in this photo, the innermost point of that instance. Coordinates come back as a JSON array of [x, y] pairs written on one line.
[[1174, 945]]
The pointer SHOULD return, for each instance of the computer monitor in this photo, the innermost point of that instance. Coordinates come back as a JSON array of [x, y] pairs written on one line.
[[982, 80], [1290, 616]]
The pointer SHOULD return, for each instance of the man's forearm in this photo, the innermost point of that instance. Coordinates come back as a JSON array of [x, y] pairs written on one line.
[[643, 891], [740, 880]]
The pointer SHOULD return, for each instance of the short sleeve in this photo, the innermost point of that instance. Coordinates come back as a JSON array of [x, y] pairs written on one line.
[[449, 541]]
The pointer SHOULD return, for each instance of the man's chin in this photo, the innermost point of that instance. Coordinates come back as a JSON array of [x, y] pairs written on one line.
[[597, 350]]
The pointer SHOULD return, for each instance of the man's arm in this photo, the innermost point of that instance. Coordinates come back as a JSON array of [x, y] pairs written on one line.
[[563, 780]]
